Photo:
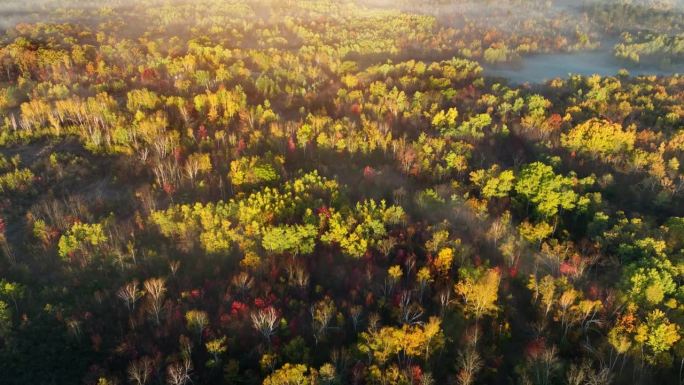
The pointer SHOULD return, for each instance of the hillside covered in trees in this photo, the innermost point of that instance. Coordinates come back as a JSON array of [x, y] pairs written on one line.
[[331, 192]]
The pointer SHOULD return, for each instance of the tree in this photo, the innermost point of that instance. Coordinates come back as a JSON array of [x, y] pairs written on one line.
[[653, 277], [535, 233], [651, 340], [469, 364], [197, 163], [328, 374], [251, 171], [222, 106], [142, 99], [197, 321], [493, 183], [659, 335], [290, 374], [80, 240], [394, 274], [478, 290], [364, 227], [210, 223], [322, 312], [445, 120], [19, 180], [265, 321], [444, 261], [539, 185], [298, 239], [586, 374], [178, 373], [541, 367], [405, 344], [599, 138], [12, 291], [674, 233], [473, 128], [5, 320], [537, 107], [498, 53], [216, 348], [155, 289], [140, 371], [424, 278], [130, 294], [545, 291], [499, 227]]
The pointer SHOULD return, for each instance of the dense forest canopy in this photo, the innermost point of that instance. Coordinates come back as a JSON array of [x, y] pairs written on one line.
[[300, 192]]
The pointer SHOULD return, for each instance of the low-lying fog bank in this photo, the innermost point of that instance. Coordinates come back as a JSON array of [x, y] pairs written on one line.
[[543, 67]]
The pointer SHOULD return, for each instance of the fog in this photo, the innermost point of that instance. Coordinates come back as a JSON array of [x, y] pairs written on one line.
[[533, 19], [13, 12], [540, 68], [539, 19]]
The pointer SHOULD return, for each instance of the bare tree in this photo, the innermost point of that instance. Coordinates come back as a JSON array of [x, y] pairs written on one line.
[[544, 366], [409, 310], [444, 301], [140, 371], [178, 373], [192, 169], [174, 266], [469, 363], [355, 312], [297, 275], [265, 322], [243, 282], [155, 288], [74, 327], [585, 374], [130, 294], [427, 379]]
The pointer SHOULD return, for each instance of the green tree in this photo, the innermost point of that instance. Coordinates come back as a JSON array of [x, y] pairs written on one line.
[[81, 238], [297, 239], [445, 120], [493, 183], [362, 227], [549, 192], [254, 170], [651, 340], [473, 128], [650, 281]]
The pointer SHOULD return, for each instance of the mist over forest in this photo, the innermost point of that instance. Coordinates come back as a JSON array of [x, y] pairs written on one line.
[[332, 192]]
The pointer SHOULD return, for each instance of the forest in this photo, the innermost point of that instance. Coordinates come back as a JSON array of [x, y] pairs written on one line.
[[332, 192]]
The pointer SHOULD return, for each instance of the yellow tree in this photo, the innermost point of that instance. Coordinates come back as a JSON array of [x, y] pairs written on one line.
[[444, 261], [478, 290], [405, 343], [197, 321], [292, 375], [599, 138]]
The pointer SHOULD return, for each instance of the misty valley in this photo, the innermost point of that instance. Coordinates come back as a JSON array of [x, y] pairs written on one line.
[[548, 66], [342, 192]]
